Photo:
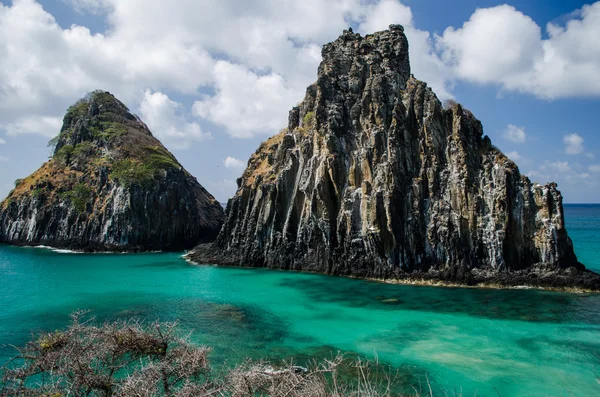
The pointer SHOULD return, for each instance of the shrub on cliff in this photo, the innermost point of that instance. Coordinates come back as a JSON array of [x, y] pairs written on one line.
[[131, 358]]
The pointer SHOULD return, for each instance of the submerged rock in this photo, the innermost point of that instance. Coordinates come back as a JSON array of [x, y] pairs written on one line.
[[109, 186], [374, 178]]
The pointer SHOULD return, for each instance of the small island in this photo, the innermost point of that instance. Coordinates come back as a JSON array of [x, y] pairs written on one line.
[[110, 185]]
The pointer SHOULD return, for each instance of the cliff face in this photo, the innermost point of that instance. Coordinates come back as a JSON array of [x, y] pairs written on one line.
[[373, 177], [109, 186]]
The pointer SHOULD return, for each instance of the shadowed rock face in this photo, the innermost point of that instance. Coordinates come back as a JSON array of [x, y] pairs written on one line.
[[109, 186], [374, 178]]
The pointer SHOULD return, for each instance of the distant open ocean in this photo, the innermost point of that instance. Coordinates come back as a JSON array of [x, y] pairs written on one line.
[[481, 342], [583, 225]]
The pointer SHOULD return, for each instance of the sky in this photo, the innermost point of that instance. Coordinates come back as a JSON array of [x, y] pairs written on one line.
[[214, 78]]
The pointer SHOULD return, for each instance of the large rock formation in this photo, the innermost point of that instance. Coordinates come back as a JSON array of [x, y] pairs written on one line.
[[109, 186], [373, 177]]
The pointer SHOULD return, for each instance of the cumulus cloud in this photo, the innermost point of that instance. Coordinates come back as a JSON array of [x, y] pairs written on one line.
[[501, 45], [222, 188], [2, 141], [3, 159], [594, 168], [41, 125], [232, 162], [573, 144], [245, 103], [514, 133], [561, 166], [44, 68], [167, 121]]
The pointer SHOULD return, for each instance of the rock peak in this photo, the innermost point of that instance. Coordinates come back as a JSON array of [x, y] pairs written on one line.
[[96, 117], [387, 48]]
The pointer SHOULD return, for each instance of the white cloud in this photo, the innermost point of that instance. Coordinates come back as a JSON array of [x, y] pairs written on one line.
[[561, 166], [44, 68], [495, 43], [2, 141], [501, 45], [167, 121], [46, 126], [594, 168], [245, 103], [232, 162], [222, 188], [514, 133], [3, 159], [573, 144]]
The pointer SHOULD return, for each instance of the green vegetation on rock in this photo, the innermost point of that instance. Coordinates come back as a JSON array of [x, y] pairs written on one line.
[[79, 109], [107, 131], [129, 171], [82, 152], [308, 119], [63, 155], [38, 193], [79, 196]]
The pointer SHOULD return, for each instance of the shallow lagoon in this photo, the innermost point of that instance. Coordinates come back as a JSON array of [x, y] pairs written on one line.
[[489, 342]]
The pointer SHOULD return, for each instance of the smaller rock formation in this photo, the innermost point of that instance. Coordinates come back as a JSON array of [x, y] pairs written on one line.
[[109, 186]]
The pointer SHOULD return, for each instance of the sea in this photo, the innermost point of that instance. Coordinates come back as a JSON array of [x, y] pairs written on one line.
[[462, 341]]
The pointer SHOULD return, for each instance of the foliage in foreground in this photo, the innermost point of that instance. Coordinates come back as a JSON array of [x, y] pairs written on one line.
[[130, 358]]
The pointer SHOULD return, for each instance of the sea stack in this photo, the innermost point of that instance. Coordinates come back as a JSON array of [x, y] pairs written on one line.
[[110, 185], [375, 178]]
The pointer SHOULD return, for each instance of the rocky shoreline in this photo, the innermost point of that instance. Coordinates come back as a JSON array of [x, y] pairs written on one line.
[[570, 280]]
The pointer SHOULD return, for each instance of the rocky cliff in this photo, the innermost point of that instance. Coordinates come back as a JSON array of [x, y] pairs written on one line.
[[109, 186], [374, 177]]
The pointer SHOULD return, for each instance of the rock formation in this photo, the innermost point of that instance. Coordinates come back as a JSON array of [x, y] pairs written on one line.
[[109, 186], [374, 177]]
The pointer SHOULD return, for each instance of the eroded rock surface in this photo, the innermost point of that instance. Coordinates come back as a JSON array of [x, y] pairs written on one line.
[[373, 177], [109, 186]]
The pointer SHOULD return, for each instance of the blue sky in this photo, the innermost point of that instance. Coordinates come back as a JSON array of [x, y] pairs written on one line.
[[213, 78]]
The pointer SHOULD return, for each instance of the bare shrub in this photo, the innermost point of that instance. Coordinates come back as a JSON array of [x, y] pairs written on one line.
[[135, 359], [125, 358]]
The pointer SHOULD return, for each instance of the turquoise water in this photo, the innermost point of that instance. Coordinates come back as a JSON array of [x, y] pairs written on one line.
[[485, 342], [583, 225]]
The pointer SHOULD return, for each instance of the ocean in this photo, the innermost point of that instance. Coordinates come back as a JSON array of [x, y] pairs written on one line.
[[473, 341]]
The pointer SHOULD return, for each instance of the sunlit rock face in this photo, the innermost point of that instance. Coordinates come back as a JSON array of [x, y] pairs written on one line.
[[373, 177], [110, 185]]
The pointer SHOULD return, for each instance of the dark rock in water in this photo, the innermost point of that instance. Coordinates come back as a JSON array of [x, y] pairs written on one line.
[[109, 186], [373, 177]]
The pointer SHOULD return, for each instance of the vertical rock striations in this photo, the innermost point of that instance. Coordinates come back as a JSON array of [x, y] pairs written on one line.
[[109, 186], [373, 177]]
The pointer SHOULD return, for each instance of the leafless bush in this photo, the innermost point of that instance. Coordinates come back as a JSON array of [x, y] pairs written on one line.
[[134, 359], [125, 358]]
